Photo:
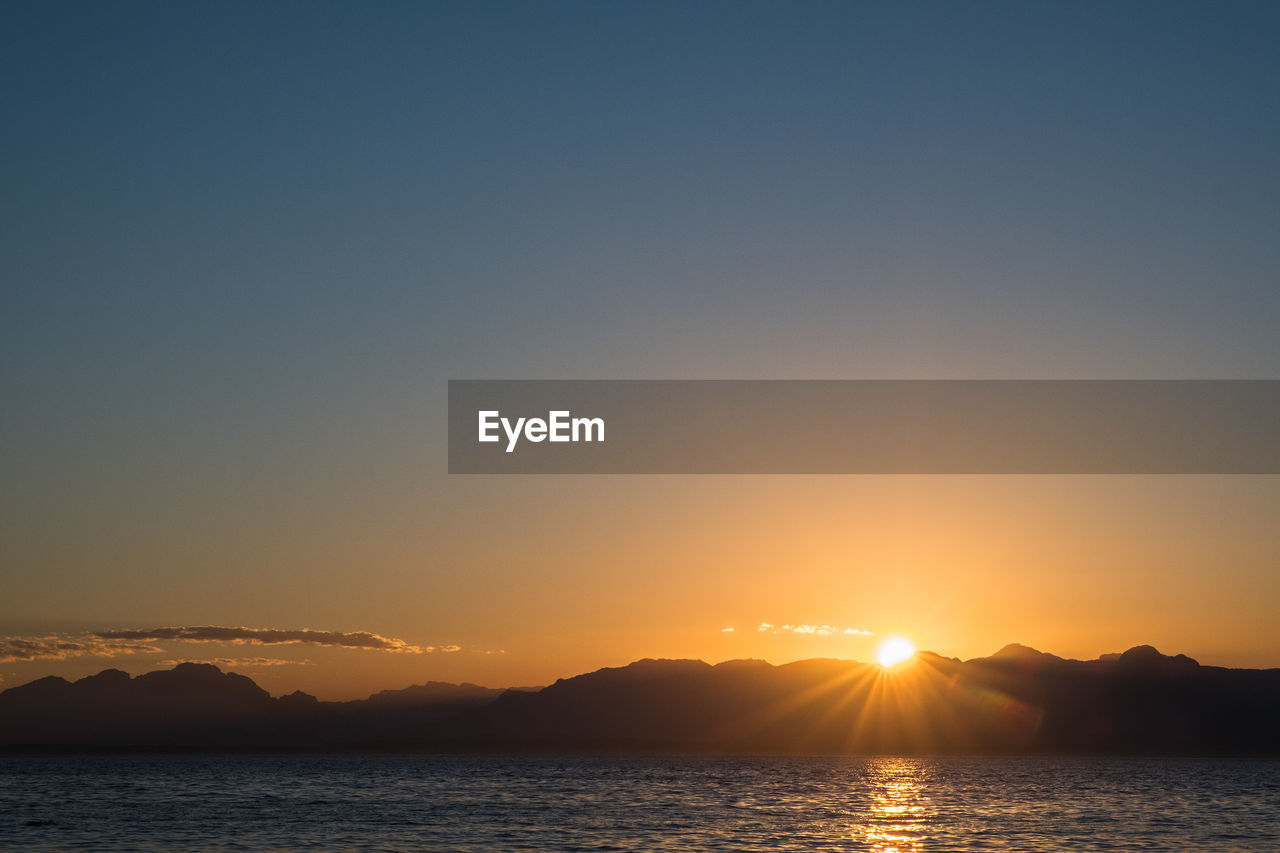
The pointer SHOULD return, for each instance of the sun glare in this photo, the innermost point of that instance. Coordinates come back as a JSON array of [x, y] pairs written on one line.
[[894, 651]]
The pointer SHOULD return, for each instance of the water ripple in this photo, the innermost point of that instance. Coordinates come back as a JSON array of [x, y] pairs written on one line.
[[445, 803]]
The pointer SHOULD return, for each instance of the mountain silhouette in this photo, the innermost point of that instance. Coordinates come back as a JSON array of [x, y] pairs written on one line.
[[1018, 700]]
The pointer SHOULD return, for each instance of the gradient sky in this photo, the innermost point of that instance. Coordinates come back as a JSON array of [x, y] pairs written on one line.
[[243, 247]]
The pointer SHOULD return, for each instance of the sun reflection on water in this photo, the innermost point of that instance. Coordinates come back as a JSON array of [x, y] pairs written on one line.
[[897, 819]]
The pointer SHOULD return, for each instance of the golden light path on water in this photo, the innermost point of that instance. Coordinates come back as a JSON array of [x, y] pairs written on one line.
[[898, 818]]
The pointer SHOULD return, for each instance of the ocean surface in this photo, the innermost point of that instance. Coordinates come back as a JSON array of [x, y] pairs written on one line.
[[448, 803]]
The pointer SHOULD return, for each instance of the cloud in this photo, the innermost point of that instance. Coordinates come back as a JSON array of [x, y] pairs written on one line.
[[55, 647], [818, 630], [270, 637], [114, 643], [726, 630], [232, 662]]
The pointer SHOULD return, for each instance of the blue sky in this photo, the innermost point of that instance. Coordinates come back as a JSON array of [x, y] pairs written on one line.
[[243, 246]]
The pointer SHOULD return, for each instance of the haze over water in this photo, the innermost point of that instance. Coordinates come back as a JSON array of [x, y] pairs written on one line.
[[445, 803]]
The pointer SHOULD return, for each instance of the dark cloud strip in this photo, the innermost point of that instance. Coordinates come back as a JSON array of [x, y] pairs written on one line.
[[114, 643], [60, 648], [267, 637]]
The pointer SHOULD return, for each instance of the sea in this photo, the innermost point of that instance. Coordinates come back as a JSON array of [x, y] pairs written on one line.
[[652, 803]]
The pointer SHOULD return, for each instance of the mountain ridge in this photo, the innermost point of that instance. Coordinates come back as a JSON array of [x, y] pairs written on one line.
[[1017, 700]]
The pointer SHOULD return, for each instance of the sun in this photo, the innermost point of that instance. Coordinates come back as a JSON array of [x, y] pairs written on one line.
[[894, 651]]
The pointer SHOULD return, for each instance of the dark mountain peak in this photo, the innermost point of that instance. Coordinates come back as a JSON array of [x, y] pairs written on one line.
[[637, 672], [818, 668], [50, 686], [106, 685], [111, 677], [817, 663], [934, 657], [201, 680], [197, 670], [1145, 655], [667, 665], [298, 699], [434, 692], [1017, 651], [650, 667], [1018, 656], [743, 664]]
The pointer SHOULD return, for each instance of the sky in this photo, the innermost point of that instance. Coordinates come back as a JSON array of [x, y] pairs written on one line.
[[243, 247]]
